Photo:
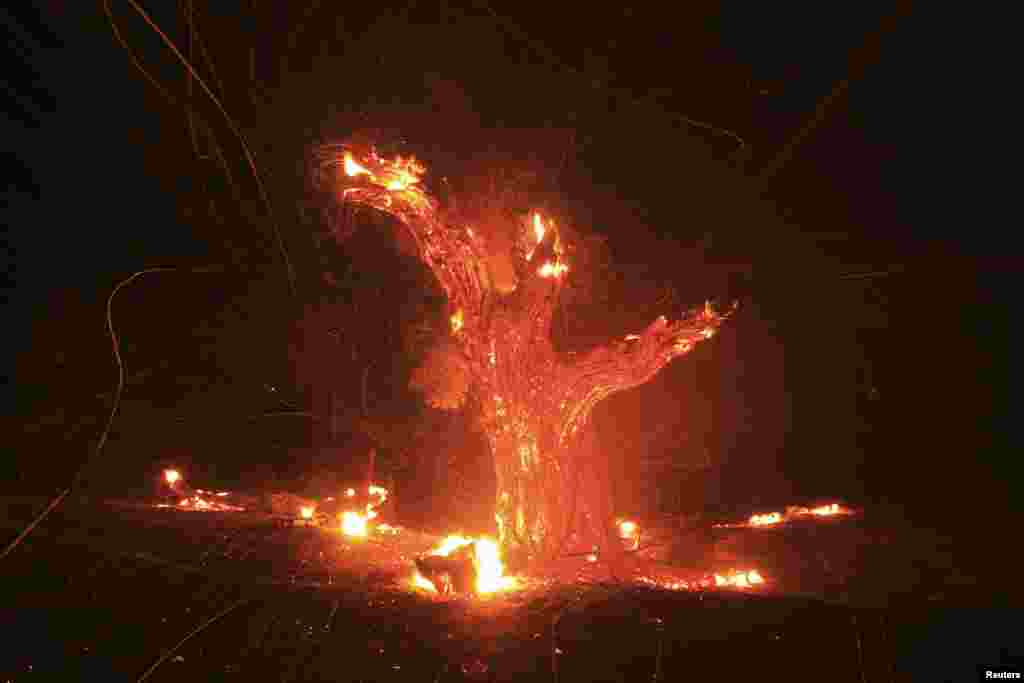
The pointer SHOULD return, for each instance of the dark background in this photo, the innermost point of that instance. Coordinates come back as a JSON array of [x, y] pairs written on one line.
[[867, 361]]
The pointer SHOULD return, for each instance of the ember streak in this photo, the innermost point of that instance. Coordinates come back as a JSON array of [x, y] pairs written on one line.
[[535, 402]]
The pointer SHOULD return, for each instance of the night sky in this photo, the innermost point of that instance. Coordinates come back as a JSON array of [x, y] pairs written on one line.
[[829, 383]]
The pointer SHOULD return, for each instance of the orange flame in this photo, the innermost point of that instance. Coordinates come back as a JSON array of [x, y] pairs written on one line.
[[172, 476], [306, 512], [550, 269], [538, 227], [739, 579], [630, 531], [766, 519], [353, 524], [354, 169], [397, 175], [457, 321], [487, 559], [827, 510]]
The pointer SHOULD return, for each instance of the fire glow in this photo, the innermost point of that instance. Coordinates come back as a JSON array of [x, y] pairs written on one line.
[[793, 512], [355, 522], [486, 559], [745, 579], [201, 504], [629, 531]]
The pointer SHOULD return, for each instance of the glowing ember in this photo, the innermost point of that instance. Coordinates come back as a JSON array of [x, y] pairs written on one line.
[[630, 531], [398, 175], [306, 512], [419, 582], [456, 321], [770, 519], [172, 476], [538, 227], [199, 503], [353, 524], [766, 519], [354, 169], [738, 579], [550, 269]]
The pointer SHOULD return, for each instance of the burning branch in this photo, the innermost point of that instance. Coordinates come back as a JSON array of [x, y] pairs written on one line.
[[606, 370]]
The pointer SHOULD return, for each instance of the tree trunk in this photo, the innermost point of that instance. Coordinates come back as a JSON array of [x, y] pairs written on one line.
[[530, 510]]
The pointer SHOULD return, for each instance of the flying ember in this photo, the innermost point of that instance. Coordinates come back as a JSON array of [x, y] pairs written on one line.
[[172, 476]]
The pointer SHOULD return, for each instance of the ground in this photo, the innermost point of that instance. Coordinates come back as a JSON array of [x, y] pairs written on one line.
[[108, 587]]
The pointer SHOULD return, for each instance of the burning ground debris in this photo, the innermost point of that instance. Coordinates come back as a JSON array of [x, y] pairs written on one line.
[[194, 499], [462, 565], [792, 513], [456, 565]]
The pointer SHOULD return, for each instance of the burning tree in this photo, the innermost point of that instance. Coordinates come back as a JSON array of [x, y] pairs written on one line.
[[534, 401]]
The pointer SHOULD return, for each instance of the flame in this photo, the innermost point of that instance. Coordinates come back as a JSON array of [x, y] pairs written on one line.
[[490, 569], [630, 531], [306, 512], [793, 512], [826, 510], [353, 524], [766, 519], [197, 502], [742, 579], [550, 269], [457, 321], [172, 476], [419, 582], [538, 227], [708, 332], [739, 579], [397, 175], [486, 557], [352, 168]]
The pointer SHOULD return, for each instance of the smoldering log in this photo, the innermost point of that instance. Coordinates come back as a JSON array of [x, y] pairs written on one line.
[[454, 573]]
